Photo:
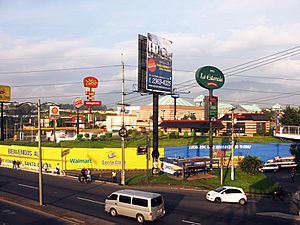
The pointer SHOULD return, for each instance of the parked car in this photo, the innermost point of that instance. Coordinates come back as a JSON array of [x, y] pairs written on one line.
[[227, 194], [142, 205], [269, 167]]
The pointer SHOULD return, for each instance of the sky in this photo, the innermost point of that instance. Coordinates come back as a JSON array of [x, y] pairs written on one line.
[[48, 47]]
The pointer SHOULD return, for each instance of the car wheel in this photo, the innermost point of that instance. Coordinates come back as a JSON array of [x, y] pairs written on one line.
[[140, 218], [113, 212], [242, 201], [275, 171], [217, 200]]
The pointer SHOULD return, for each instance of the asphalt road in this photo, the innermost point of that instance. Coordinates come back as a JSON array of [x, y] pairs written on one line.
[[11, 214], [182, 207]]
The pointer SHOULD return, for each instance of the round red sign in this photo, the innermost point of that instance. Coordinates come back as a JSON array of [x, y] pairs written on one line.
[[77, 102], [151, 65]]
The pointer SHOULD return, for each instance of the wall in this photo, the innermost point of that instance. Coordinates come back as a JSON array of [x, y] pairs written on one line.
[[97, 158]]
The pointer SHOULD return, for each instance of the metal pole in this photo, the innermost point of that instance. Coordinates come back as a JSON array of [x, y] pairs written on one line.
[[155, 153], [40, 155], [2, 128], [77, 124], [123, 125], [232, 144], [210, 134], [54, 128]]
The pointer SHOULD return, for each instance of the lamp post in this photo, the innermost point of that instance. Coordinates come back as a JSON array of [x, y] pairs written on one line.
[[40, 155], [232, 143]]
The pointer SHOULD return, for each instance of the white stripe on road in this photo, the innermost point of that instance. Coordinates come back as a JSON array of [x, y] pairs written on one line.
[[90, 200], [27, 186], [190, 222]]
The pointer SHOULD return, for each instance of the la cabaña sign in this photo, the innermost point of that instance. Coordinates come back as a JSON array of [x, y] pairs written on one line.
[[210, 77]]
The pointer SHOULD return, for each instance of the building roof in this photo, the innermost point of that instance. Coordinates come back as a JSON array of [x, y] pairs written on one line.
[[199, 125], [246, 116], [168, 100]]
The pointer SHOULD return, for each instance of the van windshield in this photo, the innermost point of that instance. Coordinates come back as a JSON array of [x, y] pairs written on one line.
[[156, 201]]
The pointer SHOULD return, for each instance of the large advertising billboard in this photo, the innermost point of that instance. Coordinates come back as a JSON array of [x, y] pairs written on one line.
[[4, 93], [159, 64]]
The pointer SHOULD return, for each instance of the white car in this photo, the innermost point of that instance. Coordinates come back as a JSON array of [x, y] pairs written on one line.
[[227, 194], [269, 167]]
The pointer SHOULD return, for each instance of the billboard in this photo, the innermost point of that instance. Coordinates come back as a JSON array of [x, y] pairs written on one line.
[[211, 108], [159, 64], [142, 63], [4, 93]]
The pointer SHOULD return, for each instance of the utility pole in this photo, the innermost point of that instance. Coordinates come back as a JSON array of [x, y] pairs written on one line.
[[40, 155], [123, 126], [232, 143], [2, 122]]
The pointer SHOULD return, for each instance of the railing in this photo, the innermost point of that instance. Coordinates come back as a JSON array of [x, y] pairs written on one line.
[[292, 132]]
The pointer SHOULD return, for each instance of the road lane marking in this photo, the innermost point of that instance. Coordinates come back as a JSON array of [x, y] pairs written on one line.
[[190, 222], [90, 200], [28, 186]]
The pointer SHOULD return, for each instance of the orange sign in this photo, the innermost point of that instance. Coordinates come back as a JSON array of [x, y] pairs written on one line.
[[77, 102], [54, 111], [4, 93], [90, 82]]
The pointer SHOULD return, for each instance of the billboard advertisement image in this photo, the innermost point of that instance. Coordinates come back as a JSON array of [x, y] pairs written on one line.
[[159, 64]]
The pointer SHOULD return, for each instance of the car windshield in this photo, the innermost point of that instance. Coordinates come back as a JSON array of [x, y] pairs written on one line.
[[156, 201], [220, 189]]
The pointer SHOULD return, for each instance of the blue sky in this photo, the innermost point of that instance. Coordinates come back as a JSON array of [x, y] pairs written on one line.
[[47, 35]]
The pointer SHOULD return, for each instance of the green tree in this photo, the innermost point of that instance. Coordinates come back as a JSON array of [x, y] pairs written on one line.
[[133, 135], [79, 137], [250, 164], [185, 134], [291, 116], [160, 133]]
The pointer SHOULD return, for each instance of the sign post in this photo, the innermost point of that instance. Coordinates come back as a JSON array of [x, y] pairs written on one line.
[[210, 78], [4, 97], [77, 102]]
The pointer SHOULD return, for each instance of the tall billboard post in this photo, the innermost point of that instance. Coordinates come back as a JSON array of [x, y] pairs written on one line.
[[78, 103], [4, 97], [210, 78], [90, 83], [155, 75]]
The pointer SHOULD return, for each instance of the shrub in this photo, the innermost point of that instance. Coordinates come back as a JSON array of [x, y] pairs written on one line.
[[102, 137], [133, 135], [79, 137], [250, 164], [160, 133], [94, 136], [142, 136], [172, 135], [108, 135], [185, 134], [87, 135], [193, 133], [176, 134]]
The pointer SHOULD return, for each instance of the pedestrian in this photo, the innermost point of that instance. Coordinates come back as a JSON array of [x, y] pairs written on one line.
[[14, 164], [46, 167], [18, 164], [89, 175], [114, 176], [0, 161], [293, 173], [58, 169]]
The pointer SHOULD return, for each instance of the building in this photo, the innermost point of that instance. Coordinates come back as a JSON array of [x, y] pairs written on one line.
[[246, 123]]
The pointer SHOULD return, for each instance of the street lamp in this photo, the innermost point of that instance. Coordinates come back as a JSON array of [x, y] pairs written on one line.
[[232, 143]]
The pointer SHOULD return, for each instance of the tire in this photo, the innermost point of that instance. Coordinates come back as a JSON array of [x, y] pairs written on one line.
[[242, 201], [140, 218], [113, 212], [217, 200]]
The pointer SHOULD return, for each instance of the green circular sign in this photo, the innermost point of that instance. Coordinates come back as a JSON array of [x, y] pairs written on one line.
[[210, 77]]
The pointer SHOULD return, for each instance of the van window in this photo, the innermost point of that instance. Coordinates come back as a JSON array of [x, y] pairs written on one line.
[[125, 199], [156, 201], [112, 197], [140, 202]]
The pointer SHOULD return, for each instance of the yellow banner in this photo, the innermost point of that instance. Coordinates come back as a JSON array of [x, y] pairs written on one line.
[[77, 158], [4, 93]]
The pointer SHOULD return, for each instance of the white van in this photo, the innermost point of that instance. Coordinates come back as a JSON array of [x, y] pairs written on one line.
[[137, 204]]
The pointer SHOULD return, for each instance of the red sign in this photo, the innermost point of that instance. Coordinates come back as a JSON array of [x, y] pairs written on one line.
[[90, 82], [77, 102], [92, 103]]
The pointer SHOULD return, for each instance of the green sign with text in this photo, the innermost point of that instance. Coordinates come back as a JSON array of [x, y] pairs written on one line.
[[210, 77]]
